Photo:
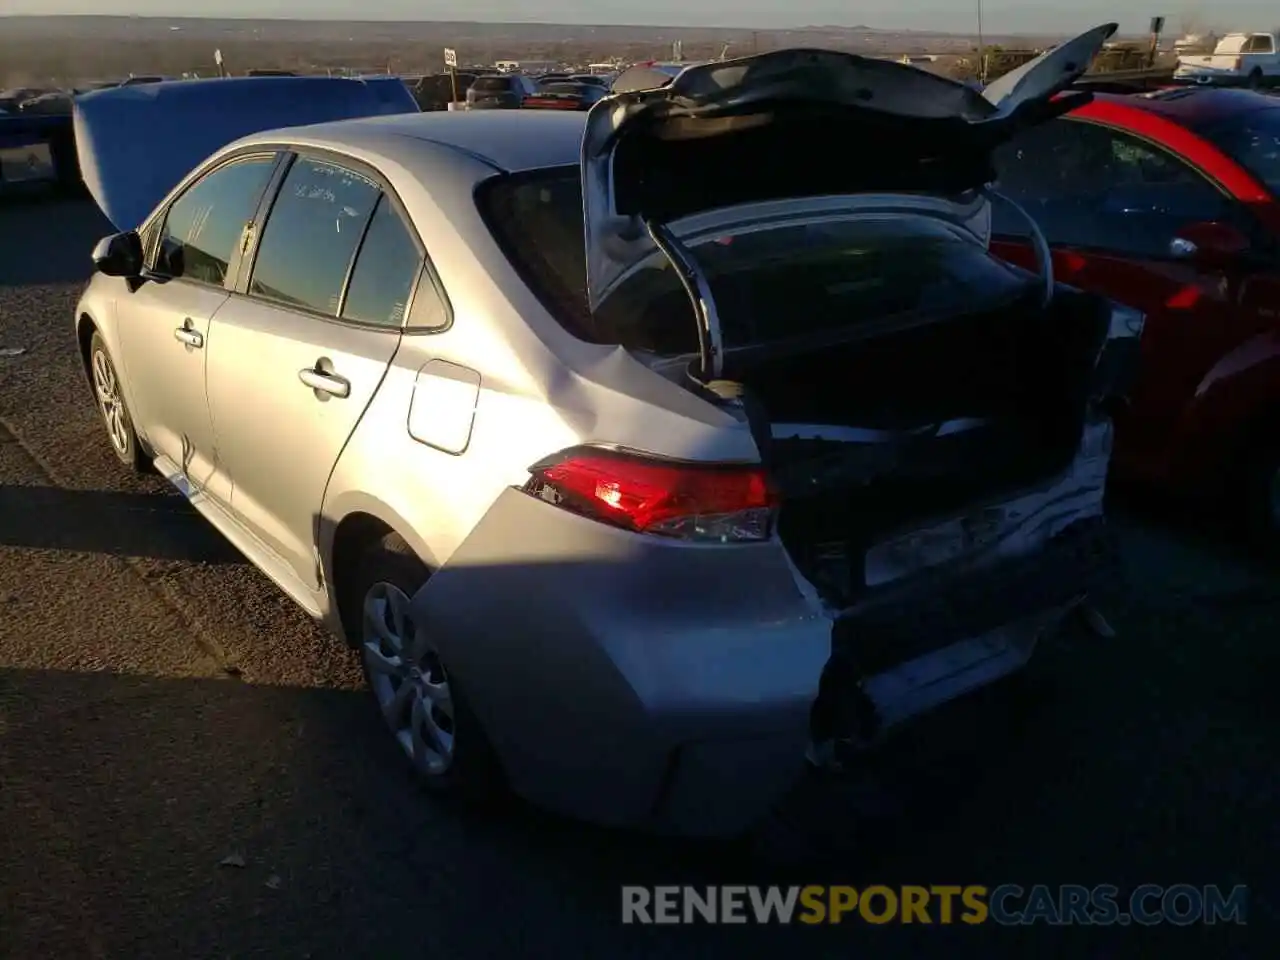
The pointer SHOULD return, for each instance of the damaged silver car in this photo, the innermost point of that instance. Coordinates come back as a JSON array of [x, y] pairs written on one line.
[[647, 455]]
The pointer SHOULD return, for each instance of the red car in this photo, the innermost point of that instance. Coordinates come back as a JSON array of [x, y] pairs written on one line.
[[1167, 201]]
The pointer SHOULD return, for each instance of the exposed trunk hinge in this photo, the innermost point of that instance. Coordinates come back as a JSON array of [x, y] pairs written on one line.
[[710, 340]]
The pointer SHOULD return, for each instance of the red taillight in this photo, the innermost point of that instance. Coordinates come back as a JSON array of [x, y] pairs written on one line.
[[1239, 63], [721, 503]]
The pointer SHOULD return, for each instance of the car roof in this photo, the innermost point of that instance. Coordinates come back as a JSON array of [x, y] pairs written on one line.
[[508, 140], [1195, 107]]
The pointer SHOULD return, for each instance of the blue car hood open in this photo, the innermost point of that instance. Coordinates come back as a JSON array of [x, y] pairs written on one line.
[[136, 143]]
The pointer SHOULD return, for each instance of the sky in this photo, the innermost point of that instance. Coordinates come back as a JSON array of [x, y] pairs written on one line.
[[999, 16]]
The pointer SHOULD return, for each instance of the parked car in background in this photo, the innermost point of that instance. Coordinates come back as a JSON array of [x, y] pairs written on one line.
[[436, 91], [1168, 202], [504, 91], [636, 473], [1239, 60], [565, 95]]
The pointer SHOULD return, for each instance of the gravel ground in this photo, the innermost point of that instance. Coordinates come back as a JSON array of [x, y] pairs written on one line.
[[162, 706]]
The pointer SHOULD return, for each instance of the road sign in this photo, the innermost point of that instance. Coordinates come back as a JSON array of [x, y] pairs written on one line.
[[450, 57], [1157, 24]]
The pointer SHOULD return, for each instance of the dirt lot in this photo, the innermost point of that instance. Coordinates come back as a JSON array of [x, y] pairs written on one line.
[[162, 706]]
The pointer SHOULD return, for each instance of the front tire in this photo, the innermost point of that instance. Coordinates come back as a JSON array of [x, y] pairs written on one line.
[[419, 700], [108, 390]]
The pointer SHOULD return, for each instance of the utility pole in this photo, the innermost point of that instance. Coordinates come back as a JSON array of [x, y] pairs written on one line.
[[982, 49]]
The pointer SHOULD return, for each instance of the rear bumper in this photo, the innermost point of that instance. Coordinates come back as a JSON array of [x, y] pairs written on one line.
[[634, 681]]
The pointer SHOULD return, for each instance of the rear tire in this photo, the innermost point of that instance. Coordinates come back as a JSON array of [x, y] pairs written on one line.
[[1255, 80], [108, 391], [417, 698]]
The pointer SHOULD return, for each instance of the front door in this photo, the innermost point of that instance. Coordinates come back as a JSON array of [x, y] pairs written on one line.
[[1110, 204], [164, 324], [300, 351]]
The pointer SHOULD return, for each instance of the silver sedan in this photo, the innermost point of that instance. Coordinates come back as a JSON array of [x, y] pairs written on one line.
[[644, 456]]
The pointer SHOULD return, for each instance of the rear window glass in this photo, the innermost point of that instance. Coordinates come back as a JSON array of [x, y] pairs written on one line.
[[492, 84], [769, 285]]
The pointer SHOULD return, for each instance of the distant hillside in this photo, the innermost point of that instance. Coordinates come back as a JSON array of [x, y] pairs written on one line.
[[117, 29], [39, 51]]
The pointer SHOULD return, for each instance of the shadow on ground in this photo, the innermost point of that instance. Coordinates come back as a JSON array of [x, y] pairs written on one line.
[[124, 795], [160, 526]]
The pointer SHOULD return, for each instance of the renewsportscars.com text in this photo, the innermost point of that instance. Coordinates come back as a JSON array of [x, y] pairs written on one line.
[[1007, 905]]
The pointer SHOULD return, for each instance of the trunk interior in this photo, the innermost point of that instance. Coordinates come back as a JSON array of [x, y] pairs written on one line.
[[1009, 388]]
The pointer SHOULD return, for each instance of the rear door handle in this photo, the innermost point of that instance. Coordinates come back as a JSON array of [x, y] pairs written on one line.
[[188, 335], [329, 383]]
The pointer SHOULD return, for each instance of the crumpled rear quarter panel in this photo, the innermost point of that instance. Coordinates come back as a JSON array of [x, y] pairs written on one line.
[[590, 653]]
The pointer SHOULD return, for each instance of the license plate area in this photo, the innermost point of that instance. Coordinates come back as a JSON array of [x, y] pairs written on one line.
[[941, 608]]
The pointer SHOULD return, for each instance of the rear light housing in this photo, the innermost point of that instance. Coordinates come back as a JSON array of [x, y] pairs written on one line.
[[1239, 64], [681, 500]]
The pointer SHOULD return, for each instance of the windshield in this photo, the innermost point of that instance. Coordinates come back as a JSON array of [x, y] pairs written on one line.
[[1253, 141], [770, 285]]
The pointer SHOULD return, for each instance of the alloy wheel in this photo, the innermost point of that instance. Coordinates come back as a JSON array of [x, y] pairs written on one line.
[[107, 387], [408, 680]]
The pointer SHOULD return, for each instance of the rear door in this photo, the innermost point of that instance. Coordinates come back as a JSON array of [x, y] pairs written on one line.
[[300, 349], [1110, 204]]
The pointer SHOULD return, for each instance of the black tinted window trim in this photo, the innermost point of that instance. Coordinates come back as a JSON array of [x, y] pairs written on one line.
[[288, 155], [243, 284], [427, 277], [199, 173], [560, 304], [414, 287], [160, 217], [355, 259]]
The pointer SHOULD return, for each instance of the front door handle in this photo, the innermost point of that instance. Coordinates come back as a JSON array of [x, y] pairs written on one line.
[[325, 382], [188, 335]]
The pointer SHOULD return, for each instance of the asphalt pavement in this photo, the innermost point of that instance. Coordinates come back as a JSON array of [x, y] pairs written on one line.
[[190, 768]]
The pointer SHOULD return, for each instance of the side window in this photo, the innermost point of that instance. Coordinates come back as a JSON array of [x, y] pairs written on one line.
[[1091, 186], [311, 235], [1259, 43], [202, 229], [386, 267]]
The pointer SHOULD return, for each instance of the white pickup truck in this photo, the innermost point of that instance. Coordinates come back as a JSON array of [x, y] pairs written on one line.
[[1239, 60]]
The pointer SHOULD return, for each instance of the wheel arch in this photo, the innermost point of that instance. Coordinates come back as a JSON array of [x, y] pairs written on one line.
[[343, 537], [86, 327]]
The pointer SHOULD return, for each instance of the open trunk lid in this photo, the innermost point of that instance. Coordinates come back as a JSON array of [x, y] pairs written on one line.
[[777, 127], [135, 143]]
